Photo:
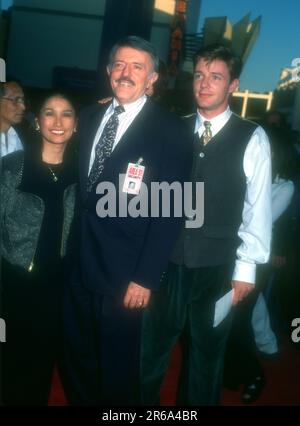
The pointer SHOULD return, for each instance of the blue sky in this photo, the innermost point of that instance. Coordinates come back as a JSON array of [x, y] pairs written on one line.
[[278, 43]]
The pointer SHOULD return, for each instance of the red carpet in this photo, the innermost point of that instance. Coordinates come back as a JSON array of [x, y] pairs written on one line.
[[283, 380], [282, 375]]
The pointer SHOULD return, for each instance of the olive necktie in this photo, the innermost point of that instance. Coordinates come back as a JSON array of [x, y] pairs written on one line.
[[207, 134]]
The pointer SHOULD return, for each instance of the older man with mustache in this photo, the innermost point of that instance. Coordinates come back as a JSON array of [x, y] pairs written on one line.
[[119, 260]]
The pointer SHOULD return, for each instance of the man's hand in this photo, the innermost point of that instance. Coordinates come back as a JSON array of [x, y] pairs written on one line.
[[241, 290], [136, 296]]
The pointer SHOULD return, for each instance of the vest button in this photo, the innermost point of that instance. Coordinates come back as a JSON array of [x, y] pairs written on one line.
[[201, 155]]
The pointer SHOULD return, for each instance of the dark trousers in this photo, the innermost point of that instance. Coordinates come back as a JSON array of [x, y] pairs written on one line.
[[101, 349], [184, 306], [31, 309], [241, 361]]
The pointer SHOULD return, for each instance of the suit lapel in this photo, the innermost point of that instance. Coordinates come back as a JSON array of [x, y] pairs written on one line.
[[135, 132]]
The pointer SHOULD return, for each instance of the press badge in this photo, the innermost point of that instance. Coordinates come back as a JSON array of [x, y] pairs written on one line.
[[134, 178]]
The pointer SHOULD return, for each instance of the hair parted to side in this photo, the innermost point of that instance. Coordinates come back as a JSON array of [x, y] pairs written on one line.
[[137, 43], [220, 52]]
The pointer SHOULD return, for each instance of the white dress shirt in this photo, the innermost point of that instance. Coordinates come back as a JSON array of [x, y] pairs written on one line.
[[125, 119], [10, 142], [256, 226]]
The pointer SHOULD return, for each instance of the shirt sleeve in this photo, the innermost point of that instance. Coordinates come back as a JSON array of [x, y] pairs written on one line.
[[256, 227]]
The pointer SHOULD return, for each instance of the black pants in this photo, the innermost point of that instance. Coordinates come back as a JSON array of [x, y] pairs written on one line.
[[241, 361], [185, 306], [31, 310], [101, 349]]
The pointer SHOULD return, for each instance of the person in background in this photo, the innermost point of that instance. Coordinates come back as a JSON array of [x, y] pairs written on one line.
[[265, 338], [284, 191], [37, 205], [12, 110], [242, 365], [276, 119]]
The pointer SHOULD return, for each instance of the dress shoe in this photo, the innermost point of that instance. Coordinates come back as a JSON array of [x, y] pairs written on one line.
[[253, 390]]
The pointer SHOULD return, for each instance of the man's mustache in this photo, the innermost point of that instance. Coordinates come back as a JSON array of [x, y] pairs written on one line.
[[125, 79]]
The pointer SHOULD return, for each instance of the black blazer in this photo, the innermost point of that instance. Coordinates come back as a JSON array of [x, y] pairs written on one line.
[[24, 131], [116, 250]]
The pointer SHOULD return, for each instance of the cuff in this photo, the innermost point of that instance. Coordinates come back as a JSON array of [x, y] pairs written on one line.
[[244, 271]]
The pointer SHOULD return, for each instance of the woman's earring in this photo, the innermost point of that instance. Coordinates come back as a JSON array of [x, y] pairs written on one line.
[[75, 130], [37, 127]]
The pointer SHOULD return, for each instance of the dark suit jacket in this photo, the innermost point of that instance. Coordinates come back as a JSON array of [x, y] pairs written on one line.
[[116, 250], [24, 132]]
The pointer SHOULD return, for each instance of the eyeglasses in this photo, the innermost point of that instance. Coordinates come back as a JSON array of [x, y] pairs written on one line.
[[17, 100]]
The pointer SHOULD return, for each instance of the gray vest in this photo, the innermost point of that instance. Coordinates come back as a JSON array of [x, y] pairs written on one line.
[[219, 165]]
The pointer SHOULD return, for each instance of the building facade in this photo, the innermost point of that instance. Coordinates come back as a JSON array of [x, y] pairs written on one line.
[[49, 34]]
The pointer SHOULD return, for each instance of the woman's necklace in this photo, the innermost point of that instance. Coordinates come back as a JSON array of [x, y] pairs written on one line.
[[54, 176]]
